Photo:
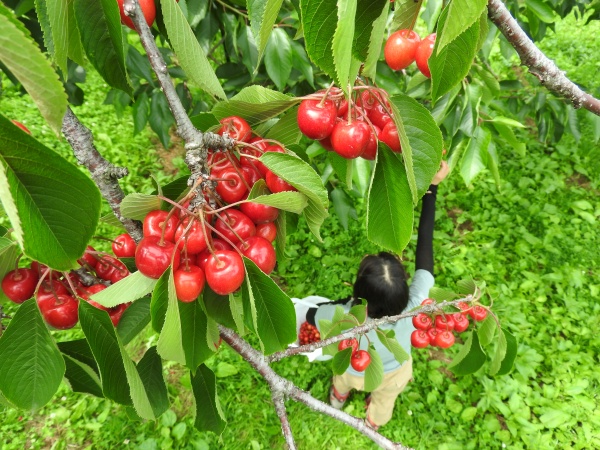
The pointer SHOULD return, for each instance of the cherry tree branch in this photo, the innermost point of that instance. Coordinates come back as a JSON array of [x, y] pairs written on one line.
[[370, 324], [104, 174], [537, 62], [279, 403], [283, 387]]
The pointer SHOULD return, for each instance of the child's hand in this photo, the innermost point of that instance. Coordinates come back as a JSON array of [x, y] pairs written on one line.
[[442, 173]]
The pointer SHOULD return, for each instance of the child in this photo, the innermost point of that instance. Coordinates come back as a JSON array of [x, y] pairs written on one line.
[[381, 281]]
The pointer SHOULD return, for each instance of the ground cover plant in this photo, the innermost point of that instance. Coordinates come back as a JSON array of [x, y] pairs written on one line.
[[543, 250]]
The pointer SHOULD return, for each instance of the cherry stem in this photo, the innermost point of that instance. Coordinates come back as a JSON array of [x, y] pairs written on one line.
[[322, 102], [226, 239], [229, 226]]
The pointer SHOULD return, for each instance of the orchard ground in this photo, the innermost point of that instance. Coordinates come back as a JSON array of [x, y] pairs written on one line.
[[533, 240]]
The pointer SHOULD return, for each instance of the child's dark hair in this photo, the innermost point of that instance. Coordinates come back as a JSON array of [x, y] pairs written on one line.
[[381, 281]]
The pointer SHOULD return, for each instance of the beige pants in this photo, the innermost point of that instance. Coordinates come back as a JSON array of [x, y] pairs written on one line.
[[383, 398]]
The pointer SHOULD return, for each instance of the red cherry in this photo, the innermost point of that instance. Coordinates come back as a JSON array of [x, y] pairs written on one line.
[[148, 9], [19, 284], [342, 108], [423, 53], [348, 343], [106, 266], [218, 161], [379, 116], [21, 126], [224, 271], [461, 322], [217, 244], [260, 251], [124, 246], [85, 292], [371, 149], [444, 322], [88, 257], [246, 161], [444, 339], [188, 259], [276, 184], [116, 312], [326, 143], [432, 333], [231, 186], [194, 241], [368, 99], [400, 49], [422, 321], [316, 118], [389, 136], [427, 301], [51, 288], [350, 139], [237, 128], [251, 174], [41, 270], [189, 283], [235, 225], [464, 308], [360, 360], [152, 258], [478, 313], [59, 311], [119, 272], [267, 230], [154, 222], [419, 339], [259, 213]]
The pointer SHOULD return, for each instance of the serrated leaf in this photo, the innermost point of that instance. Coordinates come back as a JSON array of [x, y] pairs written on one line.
[[288, 201], [137, 206], [8, 257], [342, 41], [31, 366], [461, 15], [170, 345], [373, 50], [392, 345], [129, 289], [374, 372], [359, 312], [134, 320], [280, 223], [255, 104], [52, 206], [421, 141], [190, 55], [405, 14], [262, 15], [80, 350], [278, 58], [440, 295], [99, 24], [341, 361], [194, 329], [304, 178], [286, 129], [389, 203], [319, 21], [275, 323], [510, 355], [472, 161], [486, 331], [209, 416], [82, 377], [470, 358], [150, 370], [466, 286], [217, 307], [160, 301], [451, 64]]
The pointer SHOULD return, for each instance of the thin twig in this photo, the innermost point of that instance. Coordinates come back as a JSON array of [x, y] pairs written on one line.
[[279, 403]]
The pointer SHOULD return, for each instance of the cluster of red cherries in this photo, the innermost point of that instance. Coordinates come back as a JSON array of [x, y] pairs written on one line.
[[207, 245], [308, 334], [405, 47], [57, 293], [360, 359], [353, 126], [437, 331]]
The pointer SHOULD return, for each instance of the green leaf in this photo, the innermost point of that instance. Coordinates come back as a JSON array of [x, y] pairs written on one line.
[[134, 320], [218, 307], [79, 350], [509, 136], [225, 370], [170, 342], [389, 203], [8, 257], [451, 64], [52, 206], [386, 337], [160, 301], [405, 14], [466, 286], [121, 380], [62, 27], [150, 370], [286, 129], [304, 178], [486, 331], [190, 55], [470, 358], [342, 42], [137, 206], [194, 328], [278, 58], [373, 50], [82, 377], [421, 141], [209, 416], [280, 223], [472, 162], [511, 353], [319, 22], [288, 201], [129, 289], [20, 54], [31, 367], [554, 418], [500, 353], [461, 15], [341, 361], [141, 113], [262, 14], [508, 122], [542, 10], [99, 23], [359, 312], [255, 104], [368, 12], [439, 294], [275, 323], [374, 372]]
